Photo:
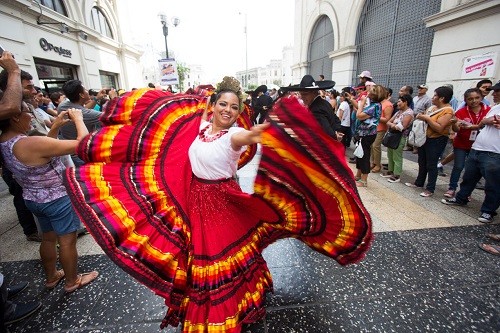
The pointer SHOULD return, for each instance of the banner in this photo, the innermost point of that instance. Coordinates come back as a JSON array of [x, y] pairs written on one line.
[[168, 72], [479, 66]]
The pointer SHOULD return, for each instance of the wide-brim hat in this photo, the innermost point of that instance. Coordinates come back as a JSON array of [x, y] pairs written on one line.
[[494, 87], [309, 84], [262, 89]]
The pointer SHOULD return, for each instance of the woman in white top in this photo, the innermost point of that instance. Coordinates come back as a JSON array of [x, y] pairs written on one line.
[[166, 207], [344, 114]]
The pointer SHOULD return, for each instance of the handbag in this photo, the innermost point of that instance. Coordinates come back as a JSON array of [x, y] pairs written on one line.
[[392, 139], [418, 133]]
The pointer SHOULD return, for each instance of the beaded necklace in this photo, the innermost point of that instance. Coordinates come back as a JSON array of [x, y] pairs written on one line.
[[205, 137]]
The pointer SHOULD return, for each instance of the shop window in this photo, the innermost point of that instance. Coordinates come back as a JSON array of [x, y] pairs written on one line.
[[109, 80], [53, 75], [100, 23], [55, 5]]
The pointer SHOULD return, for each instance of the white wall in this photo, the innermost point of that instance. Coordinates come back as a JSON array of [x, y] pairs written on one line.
[[469, 29]]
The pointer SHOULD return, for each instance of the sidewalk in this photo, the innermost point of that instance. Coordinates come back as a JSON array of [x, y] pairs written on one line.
[[424, 272]]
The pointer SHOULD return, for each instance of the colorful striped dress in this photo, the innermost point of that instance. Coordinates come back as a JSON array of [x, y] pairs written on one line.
[[198, 243]]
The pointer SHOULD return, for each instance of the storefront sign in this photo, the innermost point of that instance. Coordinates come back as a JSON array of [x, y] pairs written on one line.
[[46, 46], [479, 66]]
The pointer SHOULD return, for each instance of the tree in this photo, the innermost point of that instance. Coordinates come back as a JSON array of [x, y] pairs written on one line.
[[182, 70], [252, 86]]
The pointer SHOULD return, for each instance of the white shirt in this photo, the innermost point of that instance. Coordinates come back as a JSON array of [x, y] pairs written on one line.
[[216, 159], [346, 114], [488, 138]]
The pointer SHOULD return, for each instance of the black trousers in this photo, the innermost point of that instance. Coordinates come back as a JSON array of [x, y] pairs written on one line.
[[24, 215]]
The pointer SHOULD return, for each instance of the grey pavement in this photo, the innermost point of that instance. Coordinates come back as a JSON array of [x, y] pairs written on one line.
[[424, 273]]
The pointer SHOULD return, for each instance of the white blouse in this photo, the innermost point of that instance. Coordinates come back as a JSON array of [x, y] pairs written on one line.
[[215, 159]]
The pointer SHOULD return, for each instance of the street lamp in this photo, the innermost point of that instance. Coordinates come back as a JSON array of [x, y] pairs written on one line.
[[246, 50], [164, 23]]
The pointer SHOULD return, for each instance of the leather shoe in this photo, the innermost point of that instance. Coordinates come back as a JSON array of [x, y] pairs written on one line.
[[16, 289], [22, 311], [34, 237]]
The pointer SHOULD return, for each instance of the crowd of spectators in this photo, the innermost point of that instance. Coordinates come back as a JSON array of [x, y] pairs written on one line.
[[361, 115]]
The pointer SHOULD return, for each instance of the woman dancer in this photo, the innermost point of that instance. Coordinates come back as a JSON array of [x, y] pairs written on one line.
[[164, 205]]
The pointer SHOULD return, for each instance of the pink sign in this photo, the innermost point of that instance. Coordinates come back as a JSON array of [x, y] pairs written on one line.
[[480, 66]]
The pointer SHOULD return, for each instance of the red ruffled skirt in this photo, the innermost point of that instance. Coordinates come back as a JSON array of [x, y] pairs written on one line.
[[198, 243]]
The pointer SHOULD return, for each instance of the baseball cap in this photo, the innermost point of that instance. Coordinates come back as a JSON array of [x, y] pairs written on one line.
[[424, 86]]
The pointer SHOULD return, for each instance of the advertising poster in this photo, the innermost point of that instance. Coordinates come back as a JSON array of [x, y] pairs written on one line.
[[479, 66], [168, 72]]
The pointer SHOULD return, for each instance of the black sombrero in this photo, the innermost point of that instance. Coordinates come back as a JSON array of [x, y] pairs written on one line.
[[308, 83]]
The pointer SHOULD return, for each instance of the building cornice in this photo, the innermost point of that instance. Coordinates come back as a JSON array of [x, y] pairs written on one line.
[[348, 50], [464, 13], [300, 65]]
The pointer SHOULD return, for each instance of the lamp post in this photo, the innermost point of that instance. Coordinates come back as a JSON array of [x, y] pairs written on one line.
[[163, 20], [245, 31], [164, 23]]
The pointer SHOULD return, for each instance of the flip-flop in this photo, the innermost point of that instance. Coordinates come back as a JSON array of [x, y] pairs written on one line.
[[490, 248], [52, 284], [360, 183], [82, 280], [495, 237]]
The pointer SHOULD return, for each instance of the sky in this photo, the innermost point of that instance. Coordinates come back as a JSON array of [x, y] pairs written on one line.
[[211, 33]]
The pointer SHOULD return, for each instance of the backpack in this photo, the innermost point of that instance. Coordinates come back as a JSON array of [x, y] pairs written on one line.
[[418, 133]]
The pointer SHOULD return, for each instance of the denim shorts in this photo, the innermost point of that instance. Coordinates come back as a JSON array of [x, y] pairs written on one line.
[[57, 215]]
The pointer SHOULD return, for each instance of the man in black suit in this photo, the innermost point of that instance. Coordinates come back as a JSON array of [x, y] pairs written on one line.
[[261, 104], [319, 107]]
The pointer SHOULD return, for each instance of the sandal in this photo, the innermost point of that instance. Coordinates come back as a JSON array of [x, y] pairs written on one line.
[[82, 280], [375, 169], [361, 183], [495, 237], [52, 284], [490, 248]]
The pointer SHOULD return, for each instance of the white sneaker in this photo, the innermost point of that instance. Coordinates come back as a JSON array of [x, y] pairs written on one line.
[[394, 179]]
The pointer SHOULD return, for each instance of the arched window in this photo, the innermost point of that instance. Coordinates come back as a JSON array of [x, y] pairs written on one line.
[[55, 5], [393, 41], [320, 44], [100, 22]]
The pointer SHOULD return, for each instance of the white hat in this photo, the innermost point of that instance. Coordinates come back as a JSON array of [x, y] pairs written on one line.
[[366, 74]]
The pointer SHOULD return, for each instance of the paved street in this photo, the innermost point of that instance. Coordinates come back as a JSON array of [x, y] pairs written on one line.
[[424, 273]]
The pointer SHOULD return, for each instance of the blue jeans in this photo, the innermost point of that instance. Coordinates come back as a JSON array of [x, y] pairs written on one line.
[[482, 164], [458, 166], [57, 215], [428, 157]]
